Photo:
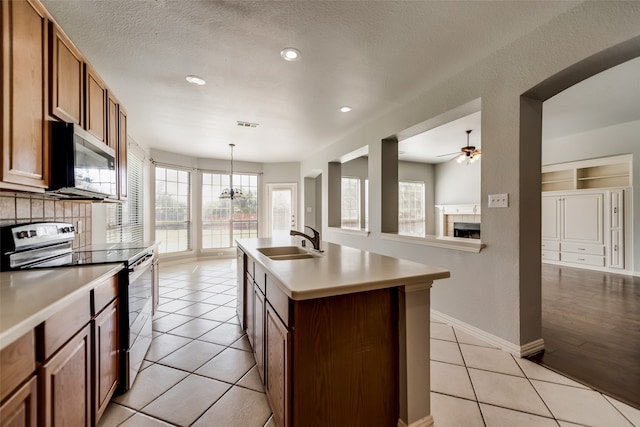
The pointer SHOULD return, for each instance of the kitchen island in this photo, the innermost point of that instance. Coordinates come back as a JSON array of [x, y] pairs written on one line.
[[340, 337]]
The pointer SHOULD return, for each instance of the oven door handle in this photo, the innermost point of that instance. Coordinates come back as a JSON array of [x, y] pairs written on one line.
[[142, 263]]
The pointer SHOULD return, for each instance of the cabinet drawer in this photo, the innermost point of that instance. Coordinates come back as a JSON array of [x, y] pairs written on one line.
[[17, 362], [278, 300], [103, 294], [261, 278], [551, 255], [583, 249], [251, 267], [63, 325], [550, 245], [585, 259]]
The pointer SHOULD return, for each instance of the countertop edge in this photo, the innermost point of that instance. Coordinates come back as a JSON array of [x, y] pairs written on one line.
[[353, 288], [19, 329]]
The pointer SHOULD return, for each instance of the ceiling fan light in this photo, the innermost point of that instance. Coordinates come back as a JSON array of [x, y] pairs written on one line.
[[461, 158]]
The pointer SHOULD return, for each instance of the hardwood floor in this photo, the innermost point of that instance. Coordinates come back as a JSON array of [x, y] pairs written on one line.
[[591, 329]]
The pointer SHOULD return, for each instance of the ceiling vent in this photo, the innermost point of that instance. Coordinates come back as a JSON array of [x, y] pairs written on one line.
[[247, 124]]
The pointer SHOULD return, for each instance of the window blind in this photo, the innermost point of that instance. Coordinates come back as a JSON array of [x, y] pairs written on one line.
[[125, 221]]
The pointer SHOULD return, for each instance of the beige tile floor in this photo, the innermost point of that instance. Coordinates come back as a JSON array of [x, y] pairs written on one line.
[[200, 371]]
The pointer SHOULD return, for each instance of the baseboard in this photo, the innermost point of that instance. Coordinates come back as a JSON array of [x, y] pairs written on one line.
[[517, 350], [422, 422]]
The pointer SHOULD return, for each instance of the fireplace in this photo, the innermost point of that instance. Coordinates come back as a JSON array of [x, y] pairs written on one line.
[[468, 230]]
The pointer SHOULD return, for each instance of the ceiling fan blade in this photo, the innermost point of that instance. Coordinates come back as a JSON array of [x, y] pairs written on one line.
[[450, 154]]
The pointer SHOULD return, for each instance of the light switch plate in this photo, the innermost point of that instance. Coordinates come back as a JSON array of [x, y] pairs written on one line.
[[499, 200]]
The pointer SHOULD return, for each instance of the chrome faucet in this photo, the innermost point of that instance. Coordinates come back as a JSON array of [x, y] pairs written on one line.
[[315, 240]]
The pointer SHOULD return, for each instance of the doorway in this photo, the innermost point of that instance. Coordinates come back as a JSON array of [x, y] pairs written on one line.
[[282, 209], [585, 314]]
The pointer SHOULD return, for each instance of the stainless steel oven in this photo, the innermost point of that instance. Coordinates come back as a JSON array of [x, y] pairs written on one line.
[[136, 288]]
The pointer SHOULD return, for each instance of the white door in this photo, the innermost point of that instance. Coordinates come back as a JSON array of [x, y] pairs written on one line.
[[616, 236], [551, 218], [583, 218], [282, 199]]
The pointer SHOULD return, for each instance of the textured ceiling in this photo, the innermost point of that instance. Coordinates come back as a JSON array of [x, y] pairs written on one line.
[[371, 55]]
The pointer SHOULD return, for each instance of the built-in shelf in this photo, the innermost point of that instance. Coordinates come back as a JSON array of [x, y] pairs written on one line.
[[604, 172]]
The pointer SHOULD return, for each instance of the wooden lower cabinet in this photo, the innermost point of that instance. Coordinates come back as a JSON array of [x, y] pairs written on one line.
[[277, 365], [66, 383], [21, 409], [107, 357], [329, 361], [258, 332]]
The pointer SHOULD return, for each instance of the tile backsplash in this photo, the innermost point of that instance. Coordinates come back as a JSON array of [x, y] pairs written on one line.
[[21, 209]]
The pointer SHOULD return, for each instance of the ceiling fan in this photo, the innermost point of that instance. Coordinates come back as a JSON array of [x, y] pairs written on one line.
[[468, 152]]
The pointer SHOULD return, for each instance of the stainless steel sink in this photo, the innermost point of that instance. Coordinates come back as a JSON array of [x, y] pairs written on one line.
[[284, 253]]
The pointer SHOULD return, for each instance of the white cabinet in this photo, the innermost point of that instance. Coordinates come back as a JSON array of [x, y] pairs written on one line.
[[616, 231], [583, 228], [582, 218]]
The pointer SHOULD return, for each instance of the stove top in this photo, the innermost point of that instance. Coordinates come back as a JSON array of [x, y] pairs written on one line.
[[106, 256], [49, 244]]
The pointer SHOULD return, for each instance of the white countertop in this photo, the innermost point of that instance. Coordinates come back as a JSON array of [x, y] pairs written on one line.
[[339, 270], [28, 297]]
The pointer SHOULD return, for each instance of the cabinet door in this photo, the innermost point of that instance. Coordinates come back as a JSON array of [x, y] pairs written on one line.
[[67, 90], [20, 409], [65, 380], [277, 363], [25, 132], [550, 218], [258, 339], [96, 104], [112, 122], [582, 219], [107, 356], [122, 154], [249, 308], [616, 232], [616, 249]]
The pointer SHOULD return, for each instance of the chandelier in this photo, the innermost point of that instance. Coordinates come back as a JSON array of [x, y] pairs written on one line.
[[231, 193]]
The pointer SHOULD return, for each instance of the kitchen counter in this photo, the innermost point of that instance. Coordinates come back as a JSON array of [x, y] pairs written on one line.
[[342, 337], [338, 270], [28, 297]]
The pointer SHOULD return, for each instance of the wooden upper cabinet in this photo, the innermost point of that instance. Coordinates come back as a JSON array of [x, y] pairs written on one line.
[[96, 104], [112, 121], [67, 90], [25, 131], [122, 154]]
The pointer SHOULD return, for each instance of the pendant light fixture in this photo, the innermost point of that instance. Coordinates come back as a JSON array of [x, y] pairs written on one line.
[[231, 193]]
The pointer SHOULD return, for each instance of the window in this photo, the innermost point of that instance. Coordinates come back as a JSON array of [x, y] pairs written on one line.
[[125, 220], [173, 213], [411, 218], [220, 228], [350, 205]]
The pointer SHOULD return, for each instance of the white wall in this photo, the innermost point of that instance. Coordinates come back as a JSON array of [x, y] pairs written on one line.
[[457, 183], [609, 141], [497, 290]]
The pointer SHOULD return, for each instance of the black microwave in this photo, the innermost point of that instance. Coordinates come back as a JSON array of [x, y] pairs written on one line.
[[82, 167]]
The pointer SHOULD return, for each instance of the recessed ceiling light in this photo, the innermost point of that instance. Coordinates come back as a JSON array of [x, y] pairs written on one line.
[[290, 54], [345, 109], [195, 80]]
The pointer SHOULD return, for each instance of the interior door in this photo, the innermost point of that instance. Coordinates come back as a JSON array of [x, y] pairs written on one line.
[[282, 209]]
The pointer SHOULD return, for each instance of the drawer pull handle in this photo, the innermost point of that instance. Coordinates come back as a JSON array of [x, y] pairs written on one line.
[[582, 249], [581, 259]]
